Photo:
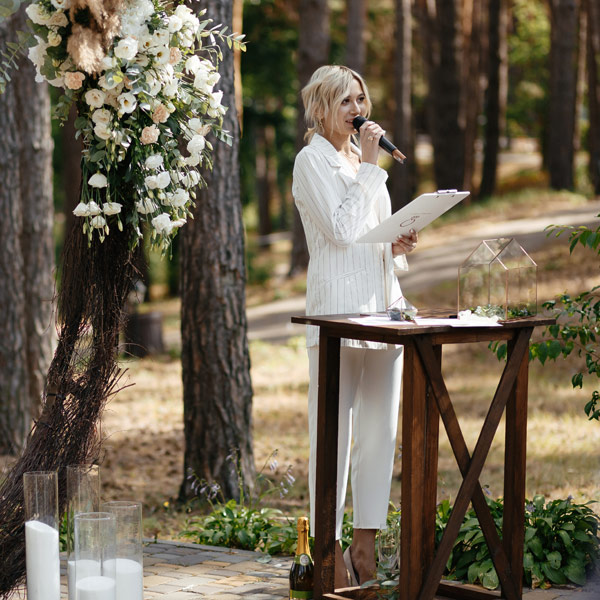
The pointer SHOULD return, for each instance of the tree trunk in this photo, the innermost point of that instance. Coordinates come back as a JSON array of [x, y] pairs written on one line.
[[474, 44], [313, 52], [356, 35], [263, 185], [442, 62], [403, 177], [495, 96], [593, 74], [563, 83], [27, 257], [217, 391], [72, 149]]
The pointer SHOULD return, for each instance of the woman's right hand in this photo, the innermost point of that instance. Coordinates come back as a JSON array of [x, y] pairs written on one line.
[[370, 134]]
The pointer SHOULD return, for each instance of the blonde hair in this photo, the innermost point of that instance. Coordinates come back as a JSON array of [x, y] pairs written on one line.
[[327, 87]]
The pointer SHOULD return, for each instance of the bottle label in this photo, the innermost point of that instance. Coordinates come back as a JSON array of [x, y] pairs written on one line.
[[300, 594], [302, 559]]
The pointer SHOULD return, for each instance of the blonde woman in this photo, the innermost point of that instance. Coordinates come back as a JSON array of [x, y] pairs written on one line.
[[340, 193]]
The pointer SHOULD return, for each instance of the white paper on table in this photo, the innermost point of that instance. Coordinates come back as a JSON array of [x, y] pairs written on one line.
[[373, 320], [455, 322]]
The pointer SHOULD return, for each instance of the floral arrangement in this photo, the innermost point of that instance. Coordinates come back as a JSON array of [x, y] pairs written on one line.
[[142, 75]]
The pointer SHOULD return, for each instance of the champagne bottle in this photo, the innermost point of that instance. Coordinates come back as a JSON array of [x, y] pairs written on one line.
[[302, 571]]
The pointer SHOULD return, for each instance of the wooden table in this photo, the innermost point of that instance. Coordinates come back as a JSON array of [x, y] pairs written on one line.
[[425, 400]]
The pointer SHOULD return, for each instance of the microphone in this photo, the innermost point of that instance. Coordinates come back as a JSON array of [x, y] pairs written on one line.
[[383, 142]]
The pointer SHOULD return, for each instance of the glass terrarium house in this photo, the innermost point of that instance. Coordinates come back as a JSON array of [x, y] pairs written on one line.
[[498, 278]]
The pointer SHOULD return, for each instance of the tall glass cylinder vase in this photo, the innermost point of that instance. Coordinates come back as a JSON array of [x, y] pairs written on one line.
[[129, 553], [94, 553], [40, 491], [83, 496]]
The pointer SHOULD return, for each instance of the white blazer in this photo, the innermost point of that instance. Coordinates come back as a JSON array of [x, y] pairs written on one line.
[[337, 206]]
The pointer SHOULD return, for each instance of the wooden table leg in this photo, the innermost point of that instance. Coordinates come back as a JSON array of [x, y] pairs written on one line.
[[515, 457], [412, 518], [326, 476]]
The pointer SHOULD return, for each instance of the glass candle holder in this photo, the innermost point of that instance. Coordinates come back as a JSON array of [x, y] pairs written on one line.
[[129, 552], [83, 495], [94, 554], [40, 491]]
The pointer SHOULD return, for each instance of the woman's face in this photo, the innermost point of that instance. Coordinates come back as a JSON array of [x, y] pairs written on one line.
[[339, 120]]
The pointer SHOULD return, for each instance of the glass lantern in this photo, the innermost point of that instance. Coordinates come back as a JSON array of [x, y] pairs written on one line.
[[499, 279]]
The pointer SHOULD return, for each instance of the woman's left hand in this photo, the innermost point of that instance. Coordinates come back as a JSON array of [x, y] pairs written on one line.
[[405, 243]]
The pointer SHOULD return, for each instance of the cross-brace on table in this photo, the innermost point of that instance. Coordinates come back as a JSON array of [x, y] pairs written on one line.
[[425, 400]]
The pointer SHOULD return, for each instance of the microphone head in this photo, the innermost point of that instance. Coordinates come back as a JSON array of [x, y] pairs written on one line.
[[358, 121]]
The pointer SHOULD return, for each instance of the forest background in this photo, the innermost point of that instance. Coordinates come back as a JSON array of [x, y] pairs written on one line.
[[458, 84]]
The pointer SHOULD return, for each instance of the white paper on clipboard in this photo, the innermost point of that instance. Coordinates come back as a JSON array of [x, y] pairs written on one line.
[[415, 215]]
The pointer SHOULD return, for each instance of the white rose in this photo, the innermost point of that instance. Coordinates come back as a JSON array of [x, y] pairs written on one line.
[[196, 144], [95, 97], [151, 182], [187, 37], [163, 180], [58, 19], [109, 62], [127, 48], [213, 78], [111, 208], [192, 179], [161, 55], [127, 102], [170, 90], [198, 127], [214, 105], [37, 14], [102, 131], [101, 116], [54, 39], [37, 54], [145, 206], [175, 23], [193, 160], [192, 64], [154, 161], [163, 224], [98, 222], [180, 198], [82, 210], [98, 180]]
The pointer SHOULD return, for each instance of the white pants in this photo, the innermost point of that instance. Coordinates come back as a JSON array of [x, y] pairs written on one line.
[[368, 417]]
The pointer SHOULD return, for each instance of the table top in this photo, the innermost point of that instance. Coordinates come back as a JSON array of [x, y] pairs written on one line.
[[386, 330]]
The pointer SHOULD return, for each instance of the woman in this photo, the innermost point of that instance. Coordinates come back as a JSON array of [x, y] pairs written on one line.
[[340, 194]]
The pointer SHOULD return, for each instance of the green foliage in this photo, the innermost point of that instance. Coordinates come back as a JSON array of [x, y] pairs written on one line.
[[577, 330], [244, 523], [561, 541]]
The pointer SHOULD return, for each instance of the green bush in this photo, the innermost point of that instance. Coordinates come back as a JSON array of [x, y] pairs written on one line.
[[561, 542]]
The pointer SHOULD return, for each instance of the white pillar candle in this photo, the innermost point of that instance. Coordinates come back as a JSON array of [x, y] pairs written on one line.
[[78, 569], [130, 579], [42, 561], [95, 588]]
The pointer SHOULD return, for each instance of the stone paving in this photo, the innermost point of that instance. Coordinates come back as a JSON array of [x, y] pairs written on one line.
[[184, 571]]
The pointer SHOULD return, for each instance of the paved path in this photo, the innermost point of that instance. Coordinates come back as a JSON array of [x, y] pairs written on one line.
[[184, 571], [429, 267]]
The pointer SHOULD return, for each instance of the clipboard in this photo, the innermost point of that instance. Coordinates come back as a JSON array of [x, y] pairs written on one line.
[[415, 215]]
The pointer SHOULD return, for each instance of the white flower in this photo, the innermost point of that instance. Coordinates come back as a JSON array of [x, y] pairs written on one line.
[[98, 180], [102, 131], [126, 48], [163, 224], [215, 107], [37, 54], [192, 179], [175, 23], [153, 82], [151, 182], [170, 90], [98, 222], [154, 161], [163, 180], [95, 97], [193, 160], [127, 102], [192, 64], [61, 4], [161, 37], [161, 55], [58, 19], [82, 210], [198, 127], [145, 206], [109, 62], [180, 198], [37, 13], [196, 144], [102, 116], [54, 39], [111, 208]]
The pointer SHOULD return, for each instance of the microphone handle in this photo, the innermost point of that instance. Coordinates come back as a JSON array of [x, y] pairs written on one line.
[[384, 143]]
